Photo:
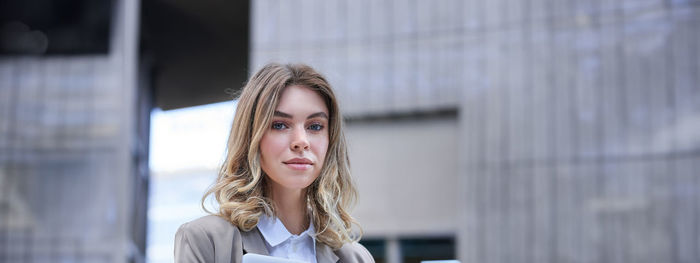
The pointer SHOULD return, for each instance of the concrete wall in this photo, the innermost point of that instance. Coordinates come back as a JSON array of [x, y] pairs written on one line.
[[379, 55], [68, 145], [580, 133], [406, 172], [577, 131]]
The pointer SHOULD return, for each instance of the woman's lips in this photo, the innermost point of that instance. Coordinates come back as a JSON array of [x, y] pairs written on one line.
[[299, 166]]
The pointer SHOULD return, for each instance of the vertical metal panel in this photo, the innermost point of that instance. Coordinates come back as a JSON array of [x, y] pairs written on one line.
[[404, 17], [684, 208], [542, 95], [587, 89], [565, 132], [659, 213], [612, 96], [263, 20], [425, 15], [494, 14], [423, 94], [472, 15], [493, 120], [543, 214], [373, 88], [333, 27], [518, 99], [403, 81]]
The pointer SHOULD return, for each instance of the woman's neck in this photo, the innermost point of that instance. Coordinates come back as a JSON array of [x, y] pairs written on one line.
[[290, 207]]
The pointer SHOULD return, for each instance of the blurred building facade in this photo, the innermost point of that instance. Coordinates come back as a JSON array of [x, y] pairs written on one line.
[[487, 131], [78, 81], [73, 151], [524, 131]]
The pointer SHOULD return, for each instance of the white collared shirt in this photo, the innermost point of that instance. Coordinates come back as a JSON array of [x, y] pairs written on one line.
[[281, 243]]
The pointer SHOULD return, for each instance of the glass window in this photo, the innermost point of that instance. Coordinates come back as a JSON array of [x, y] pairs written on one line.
[[415, 250], [376, 247]]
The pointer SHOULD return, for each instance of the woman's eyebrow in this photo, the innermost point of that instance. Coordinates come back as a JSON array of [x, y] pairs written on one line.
[[289, 116], [282, 114], [318, 114]]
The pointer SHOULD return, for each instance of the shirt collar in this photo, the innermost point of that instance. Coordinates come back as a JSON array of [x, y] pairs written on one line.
[[274, 232]]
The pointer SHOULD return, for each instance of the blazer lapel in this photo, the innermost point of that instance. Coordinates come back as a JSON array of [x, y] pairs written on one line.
[[324, 254], [253, 242]]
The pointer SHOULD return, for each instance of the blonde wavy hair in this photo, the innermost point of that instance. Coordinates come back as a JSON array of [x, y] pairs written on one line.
[[240, 188]]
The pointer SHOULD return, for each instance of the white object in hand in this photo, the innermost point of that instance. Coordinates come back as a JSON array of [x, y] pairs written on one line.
[[257, 258]]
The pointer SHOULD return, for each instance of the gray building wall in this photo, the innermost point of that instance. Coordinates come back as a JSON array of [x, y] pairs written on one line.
[[577, 131], [69, 148], [580, 133]]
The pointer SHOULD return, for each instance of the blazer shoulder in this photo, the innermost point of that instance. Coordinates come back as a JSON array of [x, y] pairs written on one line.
[[204, 239], [354, 252], [212, 228], [210, 223]]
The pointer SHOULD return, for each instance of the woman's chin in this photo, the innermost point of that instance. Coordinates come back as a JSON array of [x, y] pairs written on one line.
[[301, 184]]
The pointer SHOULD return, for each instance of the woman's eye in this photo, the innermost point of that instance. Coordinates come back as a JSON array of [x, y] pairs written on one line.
[[315, 127], [278, 126]]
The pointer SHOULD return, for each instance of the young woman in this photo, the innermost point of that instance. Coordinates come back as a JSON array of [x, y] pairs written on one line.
[[285, 188]]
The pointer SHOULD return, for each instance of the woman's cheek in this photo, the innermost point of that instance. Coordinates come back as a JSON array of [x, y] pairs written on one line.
[[320, 148]]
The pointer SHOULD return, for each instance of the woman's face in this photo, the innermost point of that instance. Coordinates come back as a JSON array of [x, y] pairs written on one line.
[[294, 147]]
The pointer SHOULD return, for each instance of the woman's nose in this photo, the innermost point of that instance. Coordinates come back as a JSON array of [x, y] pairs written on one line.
[[300, 142]]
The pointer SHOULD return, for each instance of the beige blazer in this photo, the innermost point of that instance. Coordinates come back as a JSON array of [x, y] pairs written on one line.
[[213, 239]]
